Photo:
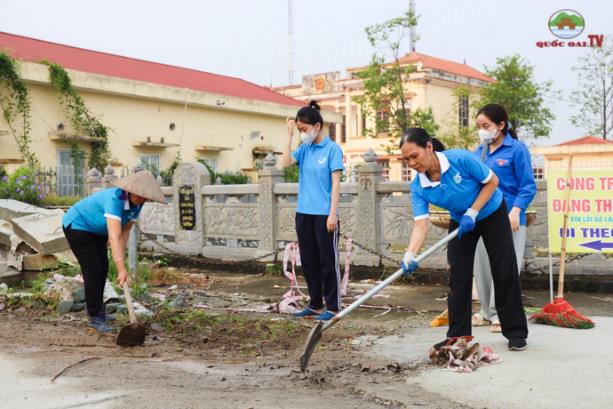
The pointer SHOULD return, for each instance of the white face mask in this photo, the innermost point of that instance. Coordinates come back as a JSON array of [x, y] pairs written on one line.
[[308, 137], [487, 137]]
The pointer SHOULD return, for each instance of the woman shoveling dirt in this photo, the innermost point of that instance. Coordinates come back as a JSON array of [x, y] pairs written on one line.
[[106, 216]]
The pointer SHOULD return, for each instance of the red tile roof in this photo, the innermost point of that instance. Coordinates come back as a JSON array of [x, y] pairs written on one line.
[[33, 50], [439, 64], [587, 140], [444, 65]]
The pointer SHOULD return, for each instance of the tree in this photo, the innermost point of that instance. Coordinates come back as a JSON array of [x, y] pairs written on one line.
[[457, 134], [595, 93], [386, 98], [524, 99]]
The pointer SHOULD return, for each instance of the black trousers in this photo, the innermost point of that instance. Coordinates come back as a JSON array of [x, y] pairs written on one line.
[[90, 250], [319, 258], [497, 237]]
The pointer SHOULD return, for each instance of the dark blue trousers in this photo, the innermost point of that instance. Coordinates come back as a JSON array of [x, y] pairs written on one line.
[[319, 257]]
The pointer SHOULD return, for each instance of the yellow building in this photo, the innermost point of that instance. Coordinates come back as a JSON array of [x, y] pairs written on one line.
[[589, 152], [431, 85], [154, 112]]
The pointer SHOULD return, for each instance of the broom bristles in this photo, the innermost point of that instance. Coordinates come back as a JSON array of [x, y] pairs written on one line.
[[561, 314]]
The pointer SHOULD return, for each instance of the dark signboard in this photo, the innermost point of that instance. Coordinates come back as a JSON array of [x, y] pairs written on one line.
[[187, 207]]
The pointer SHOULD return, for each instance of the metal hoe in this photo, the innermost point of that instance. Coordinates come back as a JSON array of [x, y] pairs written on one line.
[[315, 334], [132, 334]]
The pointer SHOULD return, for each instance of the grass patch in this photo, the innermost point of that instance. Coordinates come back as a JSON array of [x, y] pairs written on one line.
[[233, 332]]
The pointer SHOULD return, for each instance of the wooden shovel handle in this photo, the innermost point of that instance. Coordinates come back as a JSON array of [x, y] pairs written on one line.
[[564, 228], [126, 292]]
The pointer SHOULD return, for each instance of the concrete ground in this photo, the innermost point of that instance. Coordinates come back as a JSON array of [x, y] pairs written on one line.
[[356, 364], [562, 368]]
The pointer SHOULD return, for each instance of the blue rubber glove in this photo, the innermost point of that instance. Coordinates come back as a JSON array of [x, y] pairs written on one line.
[[408, 264], [467, 222]]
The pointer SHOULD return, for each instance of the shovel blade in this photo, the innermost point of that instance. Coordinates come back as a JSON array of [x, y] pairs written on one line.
[[131, 335], [310, 344]]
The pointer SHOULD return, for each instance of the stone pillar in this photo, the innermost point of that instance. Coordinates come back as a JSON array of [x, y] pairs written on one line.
[[267, 206], [133, 237], [187, 183], [93, 181], [367, 230], [109, 176], [137, 168]]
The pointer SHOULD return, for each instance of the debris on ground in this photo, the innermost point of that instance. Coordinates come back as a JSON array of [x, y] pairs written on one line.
[[31, 238], [461, 356]]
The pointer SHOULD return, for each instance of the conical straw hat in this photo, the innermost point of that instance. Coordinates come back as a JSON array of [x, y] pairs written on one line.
[[143, 184]]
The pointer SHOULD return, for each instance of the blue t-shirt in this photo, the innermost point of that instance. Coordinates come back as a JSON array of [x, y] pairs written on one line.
[[462, 176], [511, 163], [90, 214], [316, 162]]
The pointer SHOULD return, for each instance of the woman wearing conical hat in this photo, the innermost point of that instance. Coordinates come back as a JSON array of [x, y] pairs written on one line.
[[106, 216]]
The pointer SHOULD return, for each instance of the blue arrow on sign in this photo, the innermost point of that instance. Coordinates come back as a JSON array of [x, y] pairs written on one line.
[[598, 245]]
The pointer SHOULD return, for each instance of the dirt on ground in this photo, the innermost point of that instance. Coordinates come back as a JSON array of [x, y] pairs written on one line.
[[220, 354]]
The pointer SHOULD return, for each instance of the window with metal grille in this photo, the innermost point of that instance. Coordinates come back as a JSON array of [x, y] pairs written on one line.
[[385, 165], [463, 113], [70, 174], [151, 162], [406, 172], [211, 162]]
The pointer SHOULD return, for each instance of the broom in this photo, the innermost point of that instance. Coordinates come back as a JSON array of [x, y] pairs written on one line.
[[559, 312]]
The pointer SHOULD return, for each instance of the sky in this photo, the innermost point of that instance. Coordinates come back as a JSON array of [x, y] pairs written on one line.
[[249, 38]]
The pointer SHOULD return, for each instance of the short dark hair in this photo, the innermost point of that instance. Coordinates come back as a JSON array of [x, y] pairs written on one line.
[[310, 114]]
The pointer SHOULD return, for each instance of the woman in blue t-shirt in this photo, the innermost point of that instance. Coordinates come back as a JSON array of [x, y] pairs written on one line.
[[106, 216], [320, 163], [457, 181], [510, 160]]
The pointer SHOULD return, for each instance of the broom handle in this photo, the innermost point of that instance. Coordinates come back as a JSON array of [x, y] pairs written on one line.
[[565, 226], [388, 280]]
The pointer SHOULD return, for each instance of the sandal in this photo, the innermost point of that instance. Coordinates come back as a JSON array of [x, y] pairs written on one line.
[[496, 327], [478, 320]]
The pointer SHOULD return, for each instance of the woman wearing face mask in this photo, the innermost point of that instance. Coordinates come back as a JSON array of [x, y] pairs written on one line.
[[320, 162], [457, 181], [510, 160]]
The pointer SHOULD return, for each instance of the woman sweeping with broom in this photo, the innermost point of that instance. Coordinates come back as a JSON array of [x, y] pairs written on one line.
[[320, 161], [106, 216], [458, 181]]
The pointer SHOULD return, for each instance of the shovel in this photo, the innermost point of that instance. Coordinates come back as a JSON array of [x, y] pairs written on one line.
[[132, 334], [315, 334]]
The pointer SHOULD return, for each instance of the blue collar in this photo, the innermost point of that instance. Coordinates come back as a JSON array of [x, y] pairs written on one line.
[[321, 144], [508, 140]]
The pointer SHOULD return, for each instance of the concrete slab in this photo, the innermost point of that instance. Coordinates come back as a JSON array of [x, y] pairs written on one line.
[[10, 209], [38, 262], [41, 232], [562, 368], [6, 229]]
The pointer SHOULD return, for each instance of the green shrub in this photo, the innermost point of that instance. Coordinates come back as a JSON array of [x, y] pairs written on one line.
[[21, 185], [290, 174], [227, 178], [53, 199]]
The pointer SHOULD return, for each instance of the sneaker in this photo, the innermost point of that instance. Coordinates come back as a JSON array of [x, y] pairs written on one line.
[[100, 325], [517, 344], [306, 313], [325, 316]]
